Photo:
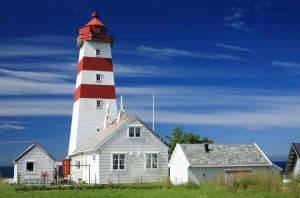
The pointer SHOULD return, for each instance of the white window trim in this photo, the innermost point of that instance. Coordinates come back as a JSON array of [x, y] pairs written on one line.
[[140, 126], [112, 157], [33, 171], [145, 161]]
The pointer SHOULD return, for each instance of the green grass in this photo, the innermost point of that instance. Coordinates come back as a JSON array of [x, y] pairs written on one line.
[[256, 186]]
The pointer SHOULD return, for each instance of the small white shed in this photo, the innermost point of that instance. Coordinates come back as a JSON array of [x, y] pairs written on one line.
[[292, 168], [34, 166], [199, 162]]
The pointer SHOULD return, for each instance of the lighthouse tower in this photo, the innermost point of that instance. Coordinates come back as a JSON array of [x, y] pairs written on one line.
[[95, 84]]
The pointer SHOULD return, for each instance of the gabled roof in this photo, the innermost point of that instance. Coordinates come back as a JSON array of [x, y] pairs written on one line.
[[30, 148], [293, 156], [224, 155], [104, 135]]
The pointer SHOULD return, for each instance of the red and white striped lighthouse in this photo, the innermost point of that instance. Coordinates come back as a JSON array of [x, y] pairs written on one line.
[[95, 84]]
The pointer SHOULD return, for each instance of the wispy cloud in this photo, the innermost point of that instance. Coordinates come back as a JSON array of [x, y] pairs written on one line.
[[286, 64], [38, 76], [36, 46], [237, 20], [31, 141], [232, 47], [171, 52], [15, 86], [36, 107], [10, 127]]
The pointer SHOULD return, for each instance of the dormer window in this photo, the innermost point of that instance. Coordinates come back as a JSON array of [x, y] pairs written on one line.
[[134, 131], [97, 52]]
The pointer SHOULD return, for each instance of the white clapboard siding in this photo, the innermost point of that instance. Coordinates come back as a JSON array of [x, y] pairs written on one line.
[[42, 162], [135, 150]]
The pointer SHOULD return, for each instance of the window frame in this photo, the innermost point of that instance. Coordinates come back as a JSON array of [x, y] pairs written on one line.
[[118, 159], [101, 104], [151, 161], [134, 132], [29, 161], [101, 78], [77, 164], [98, 52]]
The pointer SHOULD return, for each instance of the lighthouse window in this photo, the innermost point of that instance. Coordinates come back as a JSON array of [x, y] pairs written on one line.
[[99, 104], [99, 77], [97, 52]]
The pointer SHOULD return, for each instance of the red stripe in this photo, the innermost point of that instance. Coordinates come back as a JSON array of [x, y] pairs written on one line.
[[95, 63], [95, 91]]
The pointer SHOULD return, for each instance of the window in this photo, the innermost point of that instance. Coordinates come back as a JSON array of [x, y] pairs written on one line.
[[134, 131], [118, 161], [99, 77], [97, 52], [151, 161], [77, 164], [29, 166], [99, 104]]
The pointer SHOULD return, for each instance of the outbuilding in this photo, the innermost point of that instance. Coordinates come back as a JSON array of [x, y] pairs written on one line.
[[199, 162], [34, 166], [292, 168]]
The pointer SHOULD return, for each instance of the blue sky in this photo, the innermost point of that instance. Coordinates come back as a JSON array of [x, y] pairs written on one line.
[[228, 70]]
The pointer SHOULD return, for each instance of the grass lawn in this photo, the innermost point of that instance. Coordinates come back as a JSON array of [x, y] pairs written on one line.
[[202, 191]]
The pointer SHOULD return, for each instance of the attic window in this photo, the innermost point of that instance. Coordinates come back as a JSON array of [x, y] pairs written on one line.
[[29, 166], [134, 131], [97, 52]]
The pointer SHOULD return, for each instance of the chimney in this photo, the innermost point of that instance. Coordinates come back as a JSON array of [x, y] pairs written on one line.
[[206, 147], [122, 114], [107, 119]]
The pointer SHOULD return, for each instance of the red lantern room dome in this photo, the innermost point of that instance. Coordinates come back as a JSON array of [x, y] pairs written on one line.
[[94, 30], [95, 21]]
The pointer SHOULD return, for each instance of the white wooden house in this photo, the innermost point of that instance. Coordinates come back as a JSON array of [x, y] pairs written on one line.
[[34, 163], [199, 162], [125, 151]]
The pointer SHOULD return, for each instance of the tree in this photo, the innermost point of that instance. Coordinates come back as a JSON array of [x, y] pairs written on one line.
[[182, 137]]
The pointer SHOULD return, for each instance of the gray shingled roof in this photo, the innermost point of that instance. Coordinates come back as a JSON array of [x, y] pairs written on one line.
[[224, 155]]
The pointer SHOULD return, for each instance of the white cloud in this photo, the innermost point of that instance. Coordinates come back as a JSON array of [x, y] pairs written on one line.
[[15, 86], [10, 127], [216, 106], [234, 47], [286, 64], [22, 50], [36, 107], [171, 52], [38, 76]]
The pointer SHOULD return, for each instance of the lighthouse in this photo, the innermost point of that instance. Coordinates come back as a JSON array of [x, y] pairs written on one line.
[[95, 84]]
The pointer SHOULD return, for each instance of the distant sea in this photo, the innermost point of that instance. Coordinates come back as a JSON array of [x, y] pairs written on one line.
[[8, 171]]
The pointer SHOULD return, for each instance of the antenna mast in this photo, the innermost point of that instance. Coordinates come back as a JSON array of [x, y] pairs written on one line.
[[153, 117]]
